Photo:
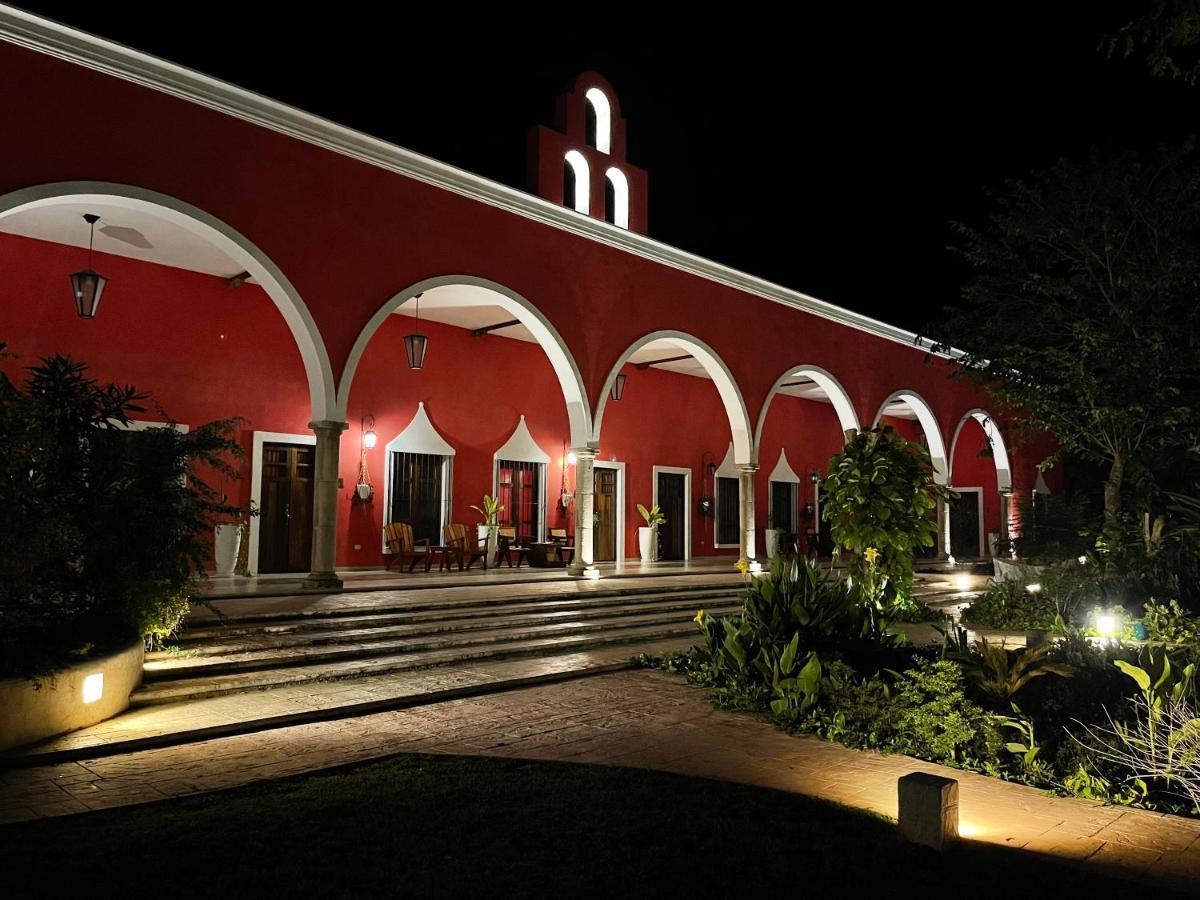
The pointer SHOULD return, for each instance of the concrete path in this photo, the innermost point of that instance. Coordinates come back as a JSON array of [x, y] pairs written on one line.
[[639, 718]]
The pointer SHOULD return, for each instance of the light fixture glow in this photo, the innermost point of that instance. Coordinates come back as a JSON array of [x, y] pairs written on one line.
[[756, 567], [1033, 588], [962, 582], [572, 458], [93, 687], [951, 560], [1083, 560], [1106, 625], [603, 111], [368, 433]]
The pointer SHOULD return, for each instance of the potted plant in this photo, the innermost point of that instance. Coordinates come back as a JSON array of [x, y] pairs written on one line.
[[489, 528], [648, 535]]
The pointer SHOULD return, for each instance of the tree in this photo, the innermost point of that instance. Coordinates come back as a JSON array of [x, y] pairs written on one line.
[[1081, 311], [1167, 34], [104, 528], [880, 499]]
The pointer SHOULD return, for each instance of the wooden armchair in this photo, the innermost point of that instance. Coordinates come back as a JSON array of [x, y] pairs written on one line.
[[402, 548], [463, 547], [510, 544], [565, 543]]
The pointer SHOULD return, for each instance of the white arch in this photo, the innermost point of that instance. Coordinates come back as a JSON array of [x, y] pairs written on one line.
[[731, 394], [620, 196], [603, 110], [995, 439], [847, 415], [569, 379], [581, 202], [229, 241], [929, 424]]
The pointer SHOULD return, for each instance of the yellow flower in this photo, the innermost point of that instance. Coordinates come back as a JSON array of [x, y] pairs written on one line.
[[699, 620], [871, 554], [743, 566]]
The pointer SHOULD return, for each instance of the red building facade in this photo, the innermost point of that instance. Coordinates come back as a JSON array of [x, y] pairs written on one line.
[[267, 264]]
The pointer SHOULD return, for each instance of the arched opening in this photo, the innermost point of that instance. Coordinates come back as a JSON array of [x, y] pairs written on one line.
[[981, 474], [499, 387], [911, 416], [616, 198], [576, 193], [598, 124], [803, 421], [193, 313], [670, 429]]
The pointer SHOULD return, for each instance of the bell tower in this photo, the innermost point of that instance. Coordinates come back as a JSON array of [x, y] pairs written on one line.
[[582, 164]]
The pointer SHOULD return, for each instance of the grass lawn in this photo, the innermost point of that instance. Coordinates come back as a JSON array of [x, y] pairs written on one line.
[[423, 826]]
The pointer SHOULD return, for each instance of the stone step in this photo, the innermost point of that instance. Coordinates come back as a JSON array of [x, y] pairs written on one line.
[[370, 628], [469, 597], [462, 611], [209, 686], [270, 656]]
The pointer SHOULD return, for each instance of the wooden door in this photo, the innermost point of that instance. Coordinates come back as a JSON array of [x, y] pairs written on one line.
[[285, 514], [604, 527], [672, 502]]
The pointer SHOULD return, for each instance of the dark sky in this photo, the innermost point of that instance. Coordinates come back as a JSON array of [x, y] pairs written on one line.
[[826, 151]]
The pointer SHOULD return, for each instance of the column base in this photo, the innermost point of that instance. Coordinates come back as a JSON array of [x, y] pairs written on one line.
[[583, 571], [322, 581]]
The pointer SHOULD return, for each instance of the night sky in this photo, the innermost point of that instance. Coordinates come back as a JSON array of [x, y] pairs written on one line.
[[827, 152]]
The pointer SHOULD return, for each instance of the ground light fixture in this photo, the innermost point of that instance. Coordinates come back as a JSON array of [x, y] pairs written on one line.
[[88, 286], [93, 687], [618, 388], [416, 344], [962, 582]]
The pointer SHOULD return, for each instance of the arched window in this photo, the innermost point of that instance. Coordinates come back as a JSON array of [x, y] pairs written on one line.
[[599, 120], [616, 198], [575, 182]]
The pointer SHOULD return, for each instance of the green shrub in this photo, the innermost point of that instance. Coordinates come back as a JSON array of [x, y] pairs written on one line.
[[880, 494], [104, 528], [936, 721], [1008, 604], [1171, 623]]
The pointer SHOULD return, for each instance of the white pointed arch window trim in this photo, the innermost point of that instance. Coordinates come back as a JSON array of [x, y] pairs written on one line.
[[522, 448], [581, 202], [620, 185], [419, 436], [783, 470], [603, 111]]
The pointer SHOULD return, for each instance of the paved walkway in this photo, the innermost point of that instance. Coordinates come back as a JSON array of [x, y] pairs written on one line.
[[639, 718]]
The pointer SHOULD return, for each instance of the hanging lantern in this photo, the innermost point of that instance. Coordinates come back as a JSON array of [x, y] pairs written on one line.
[[88, 286], [618, 388], [368, 433], [416, 344]]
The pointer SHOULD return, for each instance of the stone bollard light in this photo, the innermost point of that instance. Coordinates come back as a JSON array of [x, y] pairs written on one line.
[[928, 809]]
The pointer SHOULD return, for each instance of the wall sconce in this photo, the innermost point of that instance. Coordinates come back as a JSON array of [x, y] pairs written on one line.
[[368, 432], [814, 478], [705, 506], [618, 388]]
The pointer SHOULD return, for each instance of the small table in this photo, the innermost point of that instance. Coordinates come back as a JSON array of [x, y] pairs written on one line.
[[445, 556], [544, 555]]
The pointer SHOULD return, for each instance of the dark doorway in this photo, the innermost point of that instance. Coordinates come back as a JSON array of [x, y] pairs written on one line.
[[417, 494], [604, 528], [783, 506], [728, 515], [285, 514], [964, 525], [672, 500]]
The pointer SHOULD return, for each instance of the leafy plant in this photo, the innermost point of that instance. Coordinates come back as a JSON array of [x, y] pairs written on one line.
[[1171, 623], [880, 494], [1008, 604], [490, 511], [936, 720], [105, 528], [1001, 673], [653, 516]]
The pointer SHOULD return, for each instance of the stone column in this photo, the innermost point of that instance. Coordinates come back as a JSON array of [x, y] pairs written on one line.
[[583, 564], [943, 515], [746, 518], [325, 506]]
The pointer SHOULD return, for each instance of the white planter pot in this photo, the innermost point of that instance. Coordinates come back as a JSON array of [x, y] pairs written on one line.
[[771, 539], [364, 491], [225, 552], [492, 536], [647, 545]]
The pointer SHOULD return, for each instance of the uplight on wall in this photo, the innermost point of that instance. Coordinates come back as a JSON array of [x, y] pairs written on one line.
[[93, 687]]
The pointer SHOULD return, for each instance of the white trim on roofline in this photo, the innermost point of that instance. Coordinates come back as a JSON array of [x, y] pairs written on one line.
[[55, 39]]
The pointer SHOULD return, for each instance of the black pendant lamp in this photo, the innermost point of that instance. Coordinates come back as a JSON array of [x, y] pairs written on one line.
[[416, 344], [88, 285], [618, 388]]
